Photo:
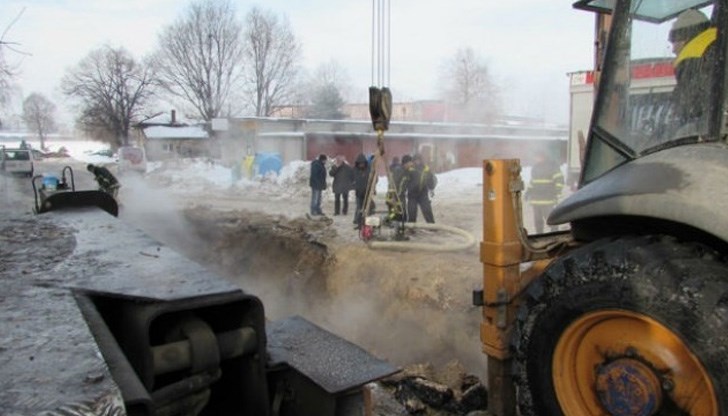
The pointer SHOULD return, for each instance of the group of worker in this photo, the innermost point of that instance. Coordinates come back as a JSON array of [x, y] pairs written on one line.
[[412, 185]]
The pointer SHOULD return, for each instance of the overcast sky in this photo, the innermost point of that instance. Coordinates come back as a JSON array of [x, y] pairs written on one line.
[[529, 45]]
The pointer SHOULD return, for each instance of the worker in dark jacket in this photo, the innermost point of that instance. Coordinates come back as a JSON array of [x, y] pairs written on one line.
[[544, 189], [343, 175], [361, 181], [317, 182], [421, 181], [106, 180], [693, 42]]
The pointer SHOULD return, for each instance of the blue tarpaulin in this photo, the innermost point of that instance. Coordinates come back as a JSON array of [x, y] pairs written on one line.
[[266, 162]]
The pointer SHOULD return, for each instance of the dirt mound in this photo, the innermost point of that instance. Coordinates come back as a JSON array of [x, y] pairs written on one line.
[[424, 389]]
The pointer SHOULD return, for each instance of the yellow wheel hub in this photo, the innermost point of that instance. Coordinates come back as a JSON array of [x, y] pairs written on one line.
[[618, 362]]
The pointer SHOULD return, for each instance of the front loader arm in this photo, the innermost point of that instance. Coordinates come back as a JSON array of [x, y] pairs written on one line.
[[511, 261]]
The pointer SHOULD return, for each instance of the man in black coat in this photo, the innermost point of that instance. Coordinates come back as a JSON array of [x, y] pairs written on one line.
[[317, 182], [361, 181], [343, 175]]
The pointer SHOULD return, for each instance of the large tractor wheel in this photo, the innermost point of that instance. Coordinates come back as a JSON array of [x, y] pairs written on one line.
[[630, 326]]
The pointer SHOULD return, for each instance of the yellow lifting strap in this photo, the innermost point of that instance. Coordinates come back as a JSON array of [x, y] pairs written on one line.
[[380, 110]]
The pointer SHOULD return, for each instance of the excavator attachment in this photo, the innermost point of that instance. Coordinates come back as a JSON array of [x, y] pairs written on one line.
[[126, 325], [78, 199], [55, 193]]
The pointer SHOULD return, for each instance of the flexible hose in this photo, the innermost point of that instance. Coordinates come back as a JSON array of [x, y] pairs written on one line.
[[468, 242]]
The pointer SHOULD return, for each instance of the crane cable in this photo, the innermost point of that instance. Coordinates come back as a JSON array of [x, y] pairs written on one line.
[[380, 97], [380, 109]]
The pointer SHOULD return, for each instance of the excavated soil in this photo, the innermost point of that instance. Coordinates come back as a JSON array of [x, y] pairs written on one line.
[[411, 308], [407, 307]]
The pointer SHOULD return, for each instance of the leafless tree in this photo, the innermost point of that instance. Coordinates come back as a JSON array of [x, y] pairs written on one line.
[[272, 54], [112, 89], [38, 115], [200, 57], [469, 89], [8, 69]]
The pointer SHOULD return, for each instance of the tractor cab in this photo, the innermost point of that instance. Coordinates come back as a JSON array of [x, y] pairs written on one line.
[[677, 42], [649, 137]]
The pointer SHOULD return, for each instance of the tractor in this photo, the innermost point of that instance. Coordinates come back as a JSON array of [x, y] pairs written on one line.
[[626, 313]]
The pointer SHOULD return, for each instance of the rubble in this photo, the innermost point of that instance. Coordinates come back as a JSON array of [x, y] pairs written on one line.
[[422, 390]]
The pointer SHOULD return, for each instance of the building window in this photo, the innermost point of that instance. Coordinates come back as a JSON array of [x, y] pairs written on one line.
[[167, 147]]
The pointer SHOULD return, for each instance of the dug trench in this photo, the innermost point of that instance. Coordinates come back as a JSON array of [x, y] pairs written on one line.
[[411, 308]]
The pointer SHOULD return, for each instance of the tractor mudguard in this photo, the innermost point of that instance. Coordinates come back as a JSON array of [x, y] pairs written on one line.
[[684, 185]]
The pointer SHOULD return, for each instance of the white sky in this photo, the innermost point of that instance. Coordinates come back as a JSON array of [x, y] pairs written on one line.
[[530, 45]]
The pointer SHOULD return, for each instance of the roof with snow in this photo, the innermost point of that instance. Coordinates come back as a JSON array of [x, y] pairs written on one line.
[[165, 119], [178, 133]]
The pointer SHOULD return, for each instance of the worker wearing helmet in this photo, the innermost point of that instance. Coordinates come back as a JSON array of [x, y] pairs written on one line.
[[544, 189], [693, 43], [421, 181]]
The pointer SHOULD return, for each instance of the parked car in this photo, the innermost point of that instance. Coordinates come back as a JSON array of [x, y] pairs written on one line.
[[17, 161], [131, 158]]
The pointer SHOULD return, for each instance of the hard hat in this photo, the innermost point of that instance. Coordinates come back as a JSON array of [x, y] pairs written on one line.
[[688, 24]]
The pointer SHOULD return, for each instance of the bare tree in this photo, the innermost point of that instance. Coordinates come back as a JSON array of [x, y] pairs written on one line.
[[112, 89], [38, 115], [8, 70], [469, 89], [272, 53], [200, 57]]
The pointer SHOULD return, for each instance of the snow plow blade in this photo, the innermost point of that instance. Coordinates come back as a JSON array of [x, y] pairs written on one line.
[[78, 199]]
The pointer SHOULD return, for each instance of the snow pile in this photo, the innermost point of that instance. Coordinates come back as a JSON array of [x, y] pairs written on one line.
[[195, 175], [292, 180], [189, 176]]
